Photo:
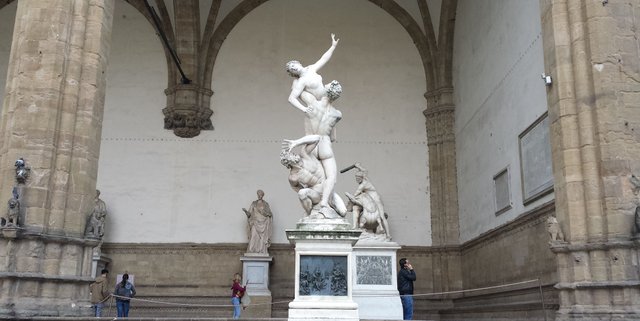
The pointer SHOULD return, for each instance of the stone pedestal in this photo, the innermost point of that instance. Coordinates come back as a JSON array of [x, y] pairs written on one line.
[[255, 271], [375, 283], [10, 232], [98, 262], [324, 271]]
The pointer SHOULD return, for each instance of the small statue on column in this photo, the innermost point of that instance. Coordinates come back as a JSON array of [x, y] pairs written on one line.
[[554, 229], [22, 171], [13, 211], [95, 222]]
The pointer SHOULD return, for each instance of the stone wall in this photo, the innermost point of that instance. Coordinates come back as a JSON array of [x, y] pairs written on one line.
[[514, 253]]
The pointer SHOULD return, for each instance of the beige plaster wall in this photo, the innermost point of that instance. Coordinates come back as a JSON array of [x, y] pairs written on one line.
[[160, 188], [498, 94]]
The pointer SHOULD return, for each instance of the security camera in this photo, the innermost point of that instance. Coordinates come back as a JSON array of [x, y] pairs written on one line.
[[547, 79]]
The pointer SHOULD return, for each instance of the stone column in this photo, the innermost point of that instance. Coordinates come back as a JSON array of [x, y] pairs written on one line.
[[591, 50], [445, 225], [440, 114], [187, 111], [52, 117]]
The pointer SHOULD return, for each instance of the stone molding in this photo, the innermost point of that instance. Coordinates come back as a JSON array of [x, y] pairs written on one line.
[[564, 247], [195, 87], [594, 285], [439, 96], [29, 276], [171, 248], [55, 238], [180, 248], [426, 251]]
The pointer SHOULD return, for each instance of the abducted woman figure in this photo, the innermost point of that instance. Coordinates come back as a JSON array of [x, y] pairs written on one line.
[[237, 292], [124, 292]]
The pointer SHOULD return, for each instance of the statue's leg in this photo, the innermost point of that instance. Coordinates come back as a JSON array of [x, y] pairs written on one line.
[[338, 204], [307, 198], [357, 211], [325, 155], [330, 172], [385, 225]]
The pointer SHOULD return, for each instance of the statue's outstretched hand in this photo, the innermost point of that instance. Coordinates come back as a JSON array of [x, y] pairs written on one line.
[[334, 41], [287, 144]]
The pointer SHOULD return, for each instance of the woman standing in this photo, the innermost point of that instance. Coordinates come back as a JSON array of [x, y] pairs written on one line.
[[237, 291], [124, 292]]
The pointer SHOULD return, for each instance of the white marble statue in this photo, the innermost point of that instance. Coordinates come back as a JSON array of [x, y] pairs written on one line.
[[306, 177], [322, 118], [366, 206], [259, 218], [320, 122]]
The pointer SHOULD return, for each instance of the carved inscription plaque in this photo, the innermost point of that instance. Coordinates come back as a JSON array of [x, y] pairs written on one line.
[[374, 270]]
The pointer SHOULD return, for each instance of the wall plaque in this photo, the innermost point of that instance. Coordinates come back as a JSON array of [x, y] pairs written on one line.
[[502, 191], [535, 160]]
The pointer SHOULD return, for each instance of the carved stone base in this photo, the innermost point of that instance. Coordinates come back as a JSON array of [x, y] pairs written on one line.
[[324, 272], [375, 283], [255, 271]]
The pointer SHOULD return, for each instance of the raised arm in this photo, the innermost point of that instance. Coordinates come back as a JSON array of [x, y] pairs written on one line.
[[327, 55]]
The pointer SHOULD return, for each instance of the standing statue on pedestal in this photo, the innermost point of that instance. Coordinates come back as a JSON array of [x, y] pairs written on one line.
[[260, 218], [96, 220], [319, 124], [366, 205]]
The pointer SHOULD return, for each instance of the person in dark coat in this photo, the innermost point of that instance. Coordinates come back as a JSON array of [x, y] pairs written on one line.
[[406, 277]]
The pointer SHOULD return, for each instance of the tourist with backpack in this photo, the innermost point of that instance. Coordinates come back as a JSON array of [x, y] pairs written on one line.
[[123, 293]]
